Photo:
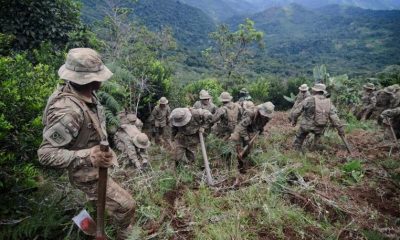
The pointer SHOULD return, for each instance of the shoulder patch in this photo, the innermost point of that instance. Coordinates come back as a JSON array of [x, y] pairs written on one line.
[[62, 132]]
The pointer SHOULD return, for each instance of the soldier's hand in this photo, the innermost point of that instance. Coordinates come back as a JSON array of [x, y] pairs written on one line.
[[201, 130], [102, 159]]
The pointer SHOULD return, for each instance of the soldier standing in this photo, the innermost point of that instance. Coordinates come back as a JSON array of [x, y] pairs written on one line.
[[317, 111], [74, 126], [253, 121], [368, 101], [159, 119], [205, 102], [303, 94], [186, 125], [226, 117], [133, 146]]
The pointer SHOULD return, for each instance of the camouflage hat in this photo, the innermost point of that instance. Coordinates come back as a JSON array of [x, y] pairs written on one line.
[[266, 109], [83, 66], [390, 90], [204, 95], [180, 117], [225, 97], [303, 87], [319, 87], [248, 104], [163, 100], [369, 86], [396, 87], [141, 141], [131, 117], [244, 90]]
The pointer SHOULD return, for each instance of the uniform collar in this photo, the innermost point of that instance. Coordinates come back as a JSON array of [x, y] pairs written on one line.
[[90, 100]]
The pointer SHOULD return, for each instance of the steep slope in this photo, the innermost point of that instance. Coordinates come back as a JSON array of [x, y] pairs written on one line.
[[190, 25], [342, 37]]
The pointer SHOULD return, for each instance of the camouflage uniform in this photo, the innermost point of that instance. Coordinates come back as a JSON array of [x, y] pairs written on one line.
[[131, 154], [205, 96], [300, 97], [394, 117], [384, 100], [226, 117], [159, 119], [368, 101], [309, 124], [186, 124], [73, 125], [130, 118]]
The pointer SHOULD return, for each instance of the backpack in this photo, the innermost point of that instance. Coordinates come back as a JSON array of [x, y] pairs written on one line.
[[322, 110], [232, 114]]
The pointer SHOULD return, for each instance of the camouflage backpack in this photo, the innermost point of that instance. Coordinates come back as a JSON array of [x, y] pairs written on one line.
[[322, 110], [232, 114]]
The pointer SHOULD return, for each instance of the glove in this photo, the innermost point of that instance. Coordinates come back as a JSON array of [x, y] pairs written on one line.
[[102, 159], [340, 131]]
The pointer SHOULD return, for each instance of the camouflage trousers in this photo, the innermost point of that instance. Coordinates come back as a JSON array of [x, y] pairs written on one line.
[[119, 203], [186, 146], [159, 134], [302, 134]]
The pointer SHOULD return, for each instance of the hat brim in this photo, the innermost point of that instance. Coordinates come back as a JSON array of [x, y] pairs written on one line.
[[83, 78], [205, 97], [225, 99], [370, 88], [164, 103], [137, 144], [303, 89], [318, 90], [188, 116], [265, 114]]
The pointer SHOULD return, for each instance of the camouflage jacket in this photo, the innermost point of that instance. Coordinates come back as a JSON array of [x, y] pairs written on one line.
[[129, 152], [227, 116], [391, 113], [70, 132], [210, 107], [159, 116], [300, 97], [383, 100], [200, 119], [307, 108], [251, 122], [368, 100]]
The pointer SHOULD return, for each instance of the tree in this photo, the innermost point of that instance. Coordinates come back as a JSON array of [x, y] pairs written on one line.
[[231, 50], [33, 22]]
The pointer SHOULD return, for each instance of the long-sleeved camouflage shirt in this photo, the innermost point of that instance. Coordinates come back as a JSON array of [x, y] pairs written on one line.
[[200, 119], [69, 133], [210, 107], [251, 122], [227, 116], [307, 108], [129, 152], [300, 97], [159, 116], [368, 100]]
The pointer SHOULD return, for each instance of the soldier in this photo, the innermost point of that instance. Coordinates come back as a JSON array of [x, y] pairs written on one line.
[[133, 146], [130, 118], [205, 102], [384, 100], [244, 96], [186, 125], [317, 111], [159, 119], [368, 101], [74, 126], [303, 94], [392, 115], [253, 121], [226, 116]]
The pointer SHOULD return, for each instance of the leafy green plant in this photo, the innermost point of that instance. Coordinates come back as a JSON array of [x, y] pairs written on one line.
[[354, 171]]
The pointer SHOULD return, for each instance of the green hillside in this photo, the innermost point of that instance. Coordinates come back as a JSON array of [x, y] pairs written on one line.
[[345, 38], [190, 25]]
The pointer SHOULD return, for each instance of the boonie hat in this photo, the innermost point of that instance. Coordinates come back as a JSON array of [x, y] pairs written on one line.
[[163, 100], [319, 87], [303, 87], [369, 86], [266, 109], [180, 117], [225, 97], [204, 95], [141, 141], [83, 66]]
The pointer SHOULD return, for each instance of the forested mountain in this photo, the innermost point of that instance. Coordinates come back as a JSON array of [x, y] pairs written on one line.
[[345, 38], [223, 9], [190, 25]]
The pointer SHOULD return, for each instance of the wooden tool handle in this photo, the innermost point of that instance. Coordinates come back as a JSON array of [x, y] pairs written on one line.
[[101, 196]]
